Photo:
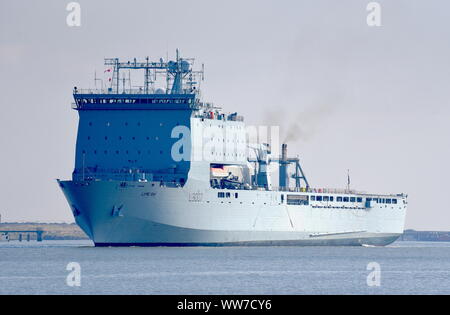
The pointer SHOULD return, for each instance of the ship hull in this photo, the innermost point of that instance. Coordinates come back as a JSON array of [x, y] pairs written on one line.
[[146, 214]]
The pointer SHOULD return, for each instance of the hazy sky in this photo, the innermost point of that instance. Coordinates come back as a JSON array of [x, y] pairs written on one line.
[[374, 100]]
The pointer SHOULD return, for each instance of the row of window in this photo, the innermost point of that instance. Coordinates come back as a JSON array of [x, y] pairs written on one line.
[[226, 195], [120, 138], [132, 101], [353, 199], [383, 200], [108, 124], [118, 152], [339, 199]]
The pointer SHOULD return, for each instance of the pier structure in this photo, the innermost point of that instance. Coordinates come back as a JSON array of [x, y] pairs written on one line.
[[6, 234]]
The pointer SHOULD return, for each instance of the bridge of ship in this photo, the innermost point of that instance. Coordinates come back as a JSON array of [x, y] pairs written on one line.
[[98, 100]]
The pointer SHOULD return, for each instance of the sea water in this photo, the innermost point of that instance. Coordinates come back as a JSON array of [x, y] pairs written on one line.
[[401, 268]]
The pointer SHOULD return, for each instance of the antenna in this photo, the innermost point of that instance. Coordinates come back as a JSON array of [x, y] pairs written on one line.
[[129, 78], [147, 75], [203, 72], [97, 79], [348, 179]]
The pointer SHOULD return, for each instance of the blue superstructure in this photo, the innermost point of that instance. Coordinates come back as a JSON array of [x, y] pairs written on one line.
[[127, 134]]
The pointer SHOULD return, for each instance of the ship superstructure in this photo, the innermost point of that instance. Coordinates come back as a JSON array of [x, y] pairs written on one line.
[[158, 166]]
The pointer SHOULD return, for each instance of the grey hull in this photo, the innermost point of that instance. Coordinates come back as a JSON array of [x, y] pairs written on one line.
[[148, 215], [165, 235]]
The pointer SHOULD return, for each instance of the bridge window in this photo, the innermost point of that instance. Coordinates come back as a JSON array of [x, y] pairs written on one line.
[[359, 199], [236, 195], [339, 199], [331, 198], [388, 200], [319, 198], [346, 199], [326, 198], [313, 198], [394, 201], [352, 199]]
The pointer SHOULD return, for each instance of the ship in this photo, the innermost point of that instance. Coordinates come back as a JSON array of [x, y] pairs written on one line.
[[155, 165]]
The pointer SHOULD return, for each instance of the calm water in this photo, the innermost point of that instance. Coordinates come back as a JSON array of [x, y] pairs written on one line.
[[406, 268]]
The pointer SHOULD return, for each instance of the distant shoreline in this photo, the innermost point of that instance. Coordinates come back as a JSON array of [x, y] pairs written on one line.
[[52, 231], [71, 231]]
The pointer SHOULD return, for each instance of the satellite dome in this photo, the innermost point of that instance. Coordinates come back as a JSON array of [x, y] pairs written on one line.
[[184, 66]]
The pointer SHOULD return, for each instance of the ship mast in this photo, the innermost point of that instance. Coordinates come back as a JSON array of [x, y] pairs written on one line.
[[179, 72]]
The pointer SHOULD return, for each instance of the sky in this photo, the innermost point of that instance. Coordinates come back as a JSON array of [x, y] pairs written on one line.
[[374, 100]]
